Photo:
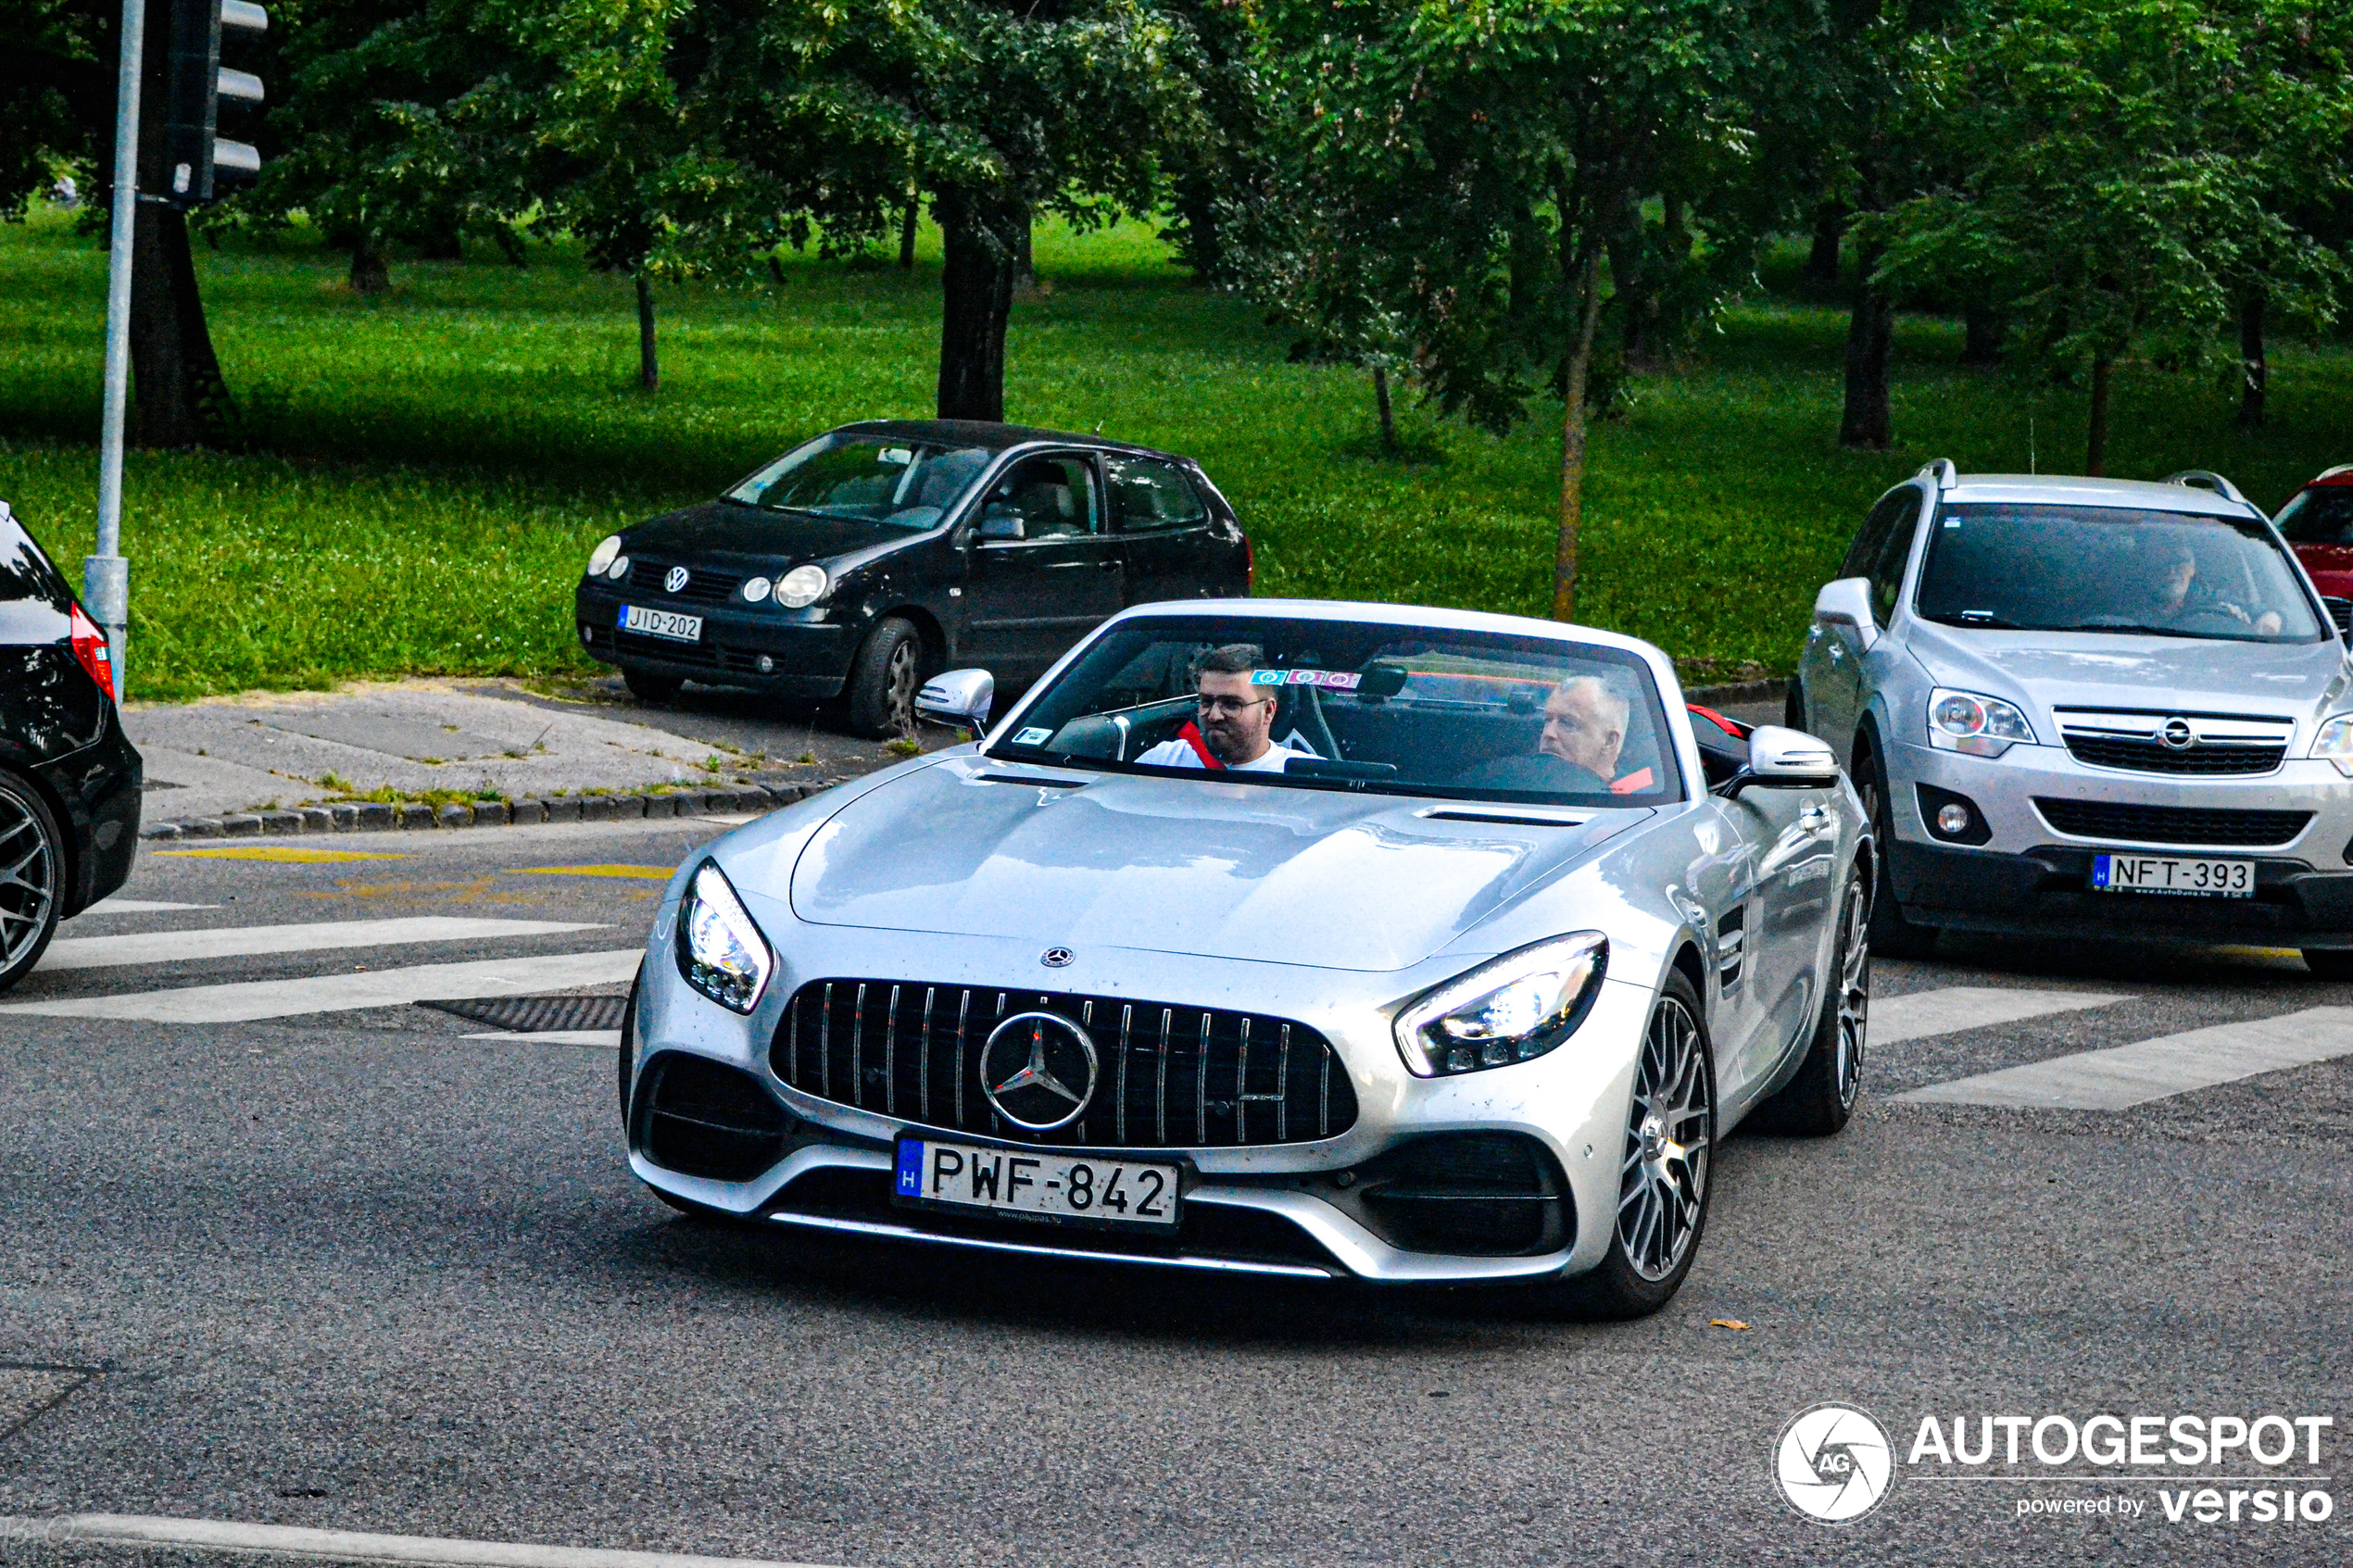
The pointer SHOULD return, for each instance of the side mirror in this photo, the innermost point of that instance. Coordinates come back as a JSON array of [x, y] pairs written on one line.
[[1847, 602], [962, 697], [1001, 521], [1779, 759]]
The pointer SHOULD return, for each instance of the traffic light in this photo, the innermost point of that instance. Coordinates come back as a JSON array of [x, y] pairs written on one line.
[[195, 157]]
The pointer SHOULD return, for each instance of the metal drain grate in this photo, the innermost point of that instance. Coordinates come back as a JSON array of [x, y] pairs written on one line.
[[532, 1015]]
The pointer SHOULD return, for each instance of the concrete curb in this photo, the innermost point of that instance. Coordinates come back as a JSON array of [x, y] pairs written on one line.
[[1740, 692], [376, 817]]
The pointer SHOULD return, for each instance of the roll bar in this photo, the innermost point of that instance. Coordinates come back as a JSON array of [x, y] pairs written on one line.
[[2205, 479], [1941, 471]]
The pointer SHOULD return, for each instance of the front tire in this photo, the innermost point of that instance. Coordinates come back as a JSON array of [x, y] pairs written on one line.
[[655, 691], [1892, 936], [1665, 1166], [2329, 963], [1819, 1101], [884, 680], [32, 873]]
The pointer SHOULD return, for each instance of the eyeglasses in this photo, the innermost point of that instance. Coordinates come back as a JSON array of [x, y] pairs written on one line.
[[1222, 705]]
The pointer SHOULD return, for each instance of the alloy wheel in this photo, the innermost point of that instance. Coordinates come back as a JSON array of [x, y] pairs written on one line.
[[28, 880], [1854, 987], [899, 688], [1663, 1179]]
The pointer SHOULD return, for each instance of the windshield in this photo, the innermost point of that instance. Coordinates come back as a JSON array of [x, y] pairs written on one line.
[[2320, 516], [2109, 569], [1326, 704], [869, 478]]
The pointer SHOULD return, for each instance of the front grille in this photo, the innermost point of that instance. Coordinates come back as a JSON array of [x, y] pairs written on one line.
[[703, 1118], [1167, 1076], [2169, 824], [2150, 757], [705, 585]]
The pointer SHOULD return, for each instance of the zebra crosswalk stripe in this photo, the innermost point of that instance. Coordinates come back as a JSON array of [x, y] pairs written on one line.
[[1948, 1011], [248, 1000], [247, 941], [2122, 1076]]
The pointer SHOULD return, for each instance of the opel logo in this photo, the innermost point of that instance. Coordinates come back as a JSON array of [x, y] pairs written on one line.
[[676, 579], [1039, 1069], [2177, 735], [1056, 958]]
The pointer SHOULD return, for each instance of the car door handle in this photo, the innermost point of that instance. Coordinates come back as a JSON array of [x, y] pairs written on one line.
[[1063, 565]]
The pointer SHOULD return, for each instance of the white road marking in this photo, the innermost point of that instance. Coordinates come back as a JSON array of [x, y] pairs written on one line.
[[341, 993], [2147, 1070], [608, 1038], [242, 941], [1955, 1008], [343, 1546], [139, 906]]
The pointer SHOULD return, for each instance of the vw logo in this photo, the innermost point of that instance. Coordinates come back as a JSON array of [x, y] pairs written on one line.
[[1833, 1462], [676, 579], [1039, 1069], [1056, 958], [2177, 735]]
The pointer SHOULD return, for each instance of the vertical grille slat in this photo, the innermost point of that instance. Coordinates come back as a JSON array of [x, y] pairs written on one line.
[[1204, 1069]]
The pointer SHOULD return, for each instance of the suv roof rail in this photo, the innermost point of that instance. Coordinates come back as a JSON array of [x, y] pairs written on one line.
[[2205, 479], [1941, 471]]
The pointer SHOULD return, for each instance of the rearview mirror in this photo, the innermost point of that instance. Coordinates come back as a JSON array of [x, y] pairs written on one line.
[[1847, 602], [1001, 522], [962, 697], [1779, 759]]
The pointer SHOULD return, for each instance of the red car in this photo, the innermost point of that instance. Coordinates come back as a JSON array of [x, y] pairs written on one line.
[[2318, 525]]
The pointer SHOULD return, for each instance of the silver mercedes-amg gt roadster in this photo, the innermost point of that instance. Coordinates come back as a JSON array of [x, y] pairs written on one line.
[[1295, 938]]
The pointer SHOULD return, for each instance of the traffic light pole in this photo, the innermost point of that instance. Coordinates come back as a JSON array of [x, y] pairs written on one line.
[[106, 576]]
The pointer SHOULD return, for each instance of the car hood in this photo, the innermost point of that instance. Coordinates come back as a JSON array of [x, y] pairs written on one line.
[[1321, 878], [725, 529], [2080, 670]]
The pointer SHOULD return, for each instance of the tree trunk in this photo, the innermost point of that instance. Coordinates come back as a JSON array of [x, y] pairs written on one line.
[[648, 360], [981, 230], [1980, 336], [1388, 418], [907, 233], [182, 399], [1870, 419], [1821, 262], [2095, 432], [370, 272], [2254, 371], [1581, 360]]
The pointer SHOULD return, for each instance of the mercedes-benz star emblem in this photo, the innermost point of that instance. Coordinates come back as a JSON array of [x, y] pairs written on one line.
[[1056, 958], [676, 579], [2177, 735], [1039, 1069]]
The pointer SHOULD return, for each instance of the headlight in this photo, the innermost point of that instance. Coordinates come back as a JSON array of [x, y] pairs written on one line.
[[1507, 1009], [2334, 742], [619, 567], [601, 557], [721, 952], [755, 589], [801, 586], [1982, 726]]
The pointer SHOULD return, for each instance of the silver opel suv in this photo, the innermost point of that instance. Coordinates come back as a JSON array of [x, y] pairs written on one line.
[[2089, 706]]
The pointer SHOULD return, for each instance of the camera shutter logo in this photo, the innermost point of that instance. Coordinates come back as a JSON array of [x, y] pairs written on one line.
[[1833, 1462]]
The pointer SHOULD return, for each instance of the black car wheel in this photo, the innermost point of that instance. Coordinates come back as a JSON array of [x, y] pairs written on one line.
[[884, 680], [649, 688], [32, 877], [1892, 935]]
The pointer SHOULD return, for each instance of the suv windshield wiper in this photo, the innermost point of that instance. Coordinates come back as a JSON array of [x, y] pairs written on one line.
[[2136, 628]]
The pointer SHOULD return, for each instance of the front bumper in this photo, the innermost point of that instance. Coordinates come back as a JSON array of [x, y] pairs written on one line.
[[809, 653], [1287, 1210], [2030, 879]]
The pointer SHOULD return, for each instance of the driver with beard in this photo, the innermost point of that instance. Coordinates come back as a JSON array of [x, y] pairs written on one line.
[[1234, 728]]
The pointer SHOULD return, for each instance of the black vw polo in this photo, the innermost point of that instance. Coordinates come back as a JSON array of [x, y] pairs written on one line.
[[69, 776], [858, 563]]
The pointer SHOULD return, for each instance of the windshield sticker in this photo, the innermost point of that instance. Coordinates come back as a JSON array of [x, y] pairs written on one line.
[[1337, 679], [1033, 737], [896, 457]]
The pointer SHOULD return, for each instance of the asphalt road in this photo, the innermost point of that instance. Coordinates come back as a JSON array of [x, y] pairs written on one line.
[[355, 1270]]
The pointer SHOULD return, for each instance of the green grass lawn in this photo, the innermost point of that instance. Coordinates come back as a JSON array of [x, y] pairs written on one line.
[[431, 466]]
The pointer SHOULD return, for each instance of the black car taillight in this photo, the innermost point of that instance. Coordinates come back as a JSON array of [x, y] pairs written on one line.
[[90, 650]]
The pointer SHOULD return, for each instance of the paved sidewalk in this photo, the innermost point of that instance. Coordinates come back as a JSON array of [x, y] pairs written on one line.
[[278, 751]]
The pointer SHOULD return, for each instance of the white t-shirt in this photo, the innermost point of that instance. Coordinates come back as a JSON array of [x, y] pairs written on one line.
[[1181, 754]]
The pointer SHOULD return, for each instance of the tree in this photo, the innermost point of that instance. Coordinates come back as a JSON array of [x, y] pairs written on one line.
[[1480, 157]]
